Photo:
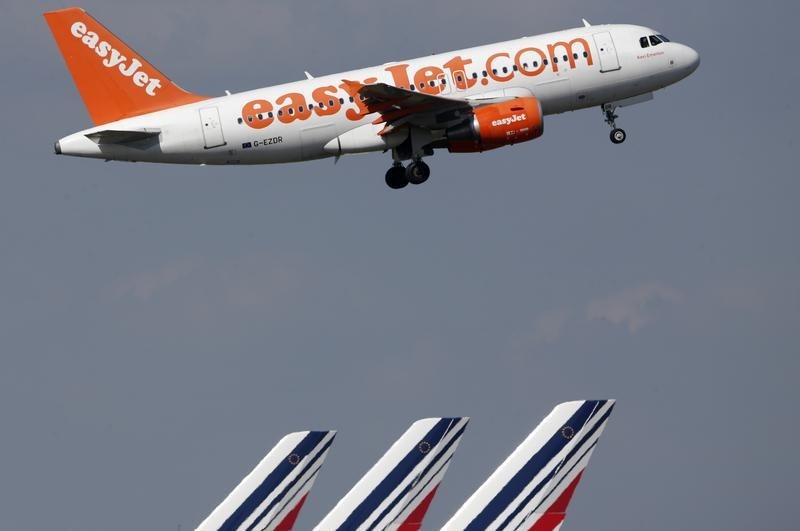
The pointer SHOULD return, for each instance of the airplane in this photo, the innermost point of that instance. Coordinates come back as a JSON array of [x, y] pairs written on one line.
[[466, 101], [396, 492], [533, 487], [271, 496]]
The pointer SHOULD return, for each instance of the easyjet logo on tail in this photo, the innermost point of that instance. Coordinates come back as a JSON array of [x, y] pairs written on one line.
[[113, 58]]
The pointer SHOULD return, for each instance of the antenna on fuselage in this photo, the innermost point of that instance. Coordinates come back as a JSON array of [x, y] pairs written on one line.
[[586, 23]]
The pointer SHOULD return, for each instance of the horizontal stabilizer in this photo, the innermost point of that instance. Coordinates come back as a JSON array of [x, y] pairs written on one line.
[[111, 136]]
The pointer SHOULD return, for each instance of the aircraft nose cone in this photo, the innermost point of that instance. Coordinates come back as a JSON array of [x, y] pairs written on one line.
[[691, 59]]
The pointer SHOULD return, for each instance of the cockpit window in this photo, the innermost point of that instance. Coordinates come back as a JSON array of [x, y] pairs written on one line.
[[644, 42], [655, 41], [663, 39]]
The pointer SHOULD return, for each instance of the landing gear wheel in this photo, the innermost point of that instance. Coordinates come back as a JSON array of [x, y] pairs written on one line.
[[418, 172], [618, 136], [396, 177]]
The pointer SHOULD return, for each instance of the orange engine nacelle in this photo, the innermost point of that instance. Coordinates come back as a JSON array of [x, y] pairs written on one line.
[[497, 125]]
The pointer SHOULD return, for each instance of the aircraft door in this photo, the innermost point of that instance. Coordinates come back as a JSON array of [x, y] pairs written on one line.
[[212, 127], [609, 61]]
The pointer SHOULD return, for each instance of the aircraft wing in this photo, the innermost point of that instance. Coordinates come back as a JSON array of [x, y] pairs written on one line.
[[398, 107]]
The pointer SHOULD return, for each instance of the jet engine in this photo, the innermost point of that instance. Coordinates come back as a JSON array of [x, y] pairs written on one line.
[[496, 125]]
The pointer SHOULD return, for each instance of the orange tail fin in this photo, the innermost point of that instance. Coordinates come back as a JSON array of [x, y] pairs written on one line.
[[114, 81]]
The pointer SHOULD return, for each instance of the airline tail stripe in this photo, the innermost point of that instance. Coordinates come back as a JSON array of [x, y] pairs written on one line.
[[301, 490], [430, 479], [557, 473], [396, 477], [272, 482], [538, 462], [389, 511], [291, 517], [560, 467], [434, 478], [304, 477], [436, 460], [550, 477], [391, 516]]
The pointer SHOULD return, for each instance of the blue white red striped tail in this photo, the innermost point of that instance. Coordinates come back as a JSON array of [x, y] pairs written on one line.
[[397, 490], [271, 496], [531, 490]]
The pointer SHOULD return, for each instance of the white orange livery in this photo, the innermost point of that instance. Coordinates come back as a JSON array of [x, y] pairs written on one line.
[[469, 100]]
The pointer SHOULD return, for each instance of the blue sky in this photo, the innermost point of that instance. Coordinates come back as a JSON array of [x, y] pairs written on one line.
[[161, 327]]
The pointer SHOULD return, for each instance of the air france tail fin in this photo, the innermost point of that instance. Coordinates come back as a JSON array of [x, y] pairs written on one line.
[[396, 492], [271, 496], [113, 80], [532, 488]]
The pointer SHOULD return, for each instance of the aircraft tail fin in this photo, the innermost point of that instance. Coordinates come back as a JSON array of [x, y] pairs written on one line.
[[534, 485], [113, 80], [396, 492], [271, 496]]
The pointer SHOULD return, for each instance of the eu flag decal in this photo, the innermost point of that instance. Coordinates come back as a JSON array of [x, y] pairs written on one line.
[[247, 145]]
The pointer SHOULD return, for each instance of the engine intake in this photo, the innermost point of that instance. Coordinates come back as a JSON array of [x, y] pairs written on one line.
[[496, 125]]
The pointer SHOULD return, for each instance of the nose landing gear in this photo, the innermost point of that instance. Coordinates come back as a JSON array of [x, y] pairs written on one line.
[[617, 135]]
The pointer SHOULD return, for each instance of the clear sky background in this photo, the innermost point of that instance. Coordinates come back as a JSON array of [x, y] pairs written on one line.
[[162, 326]]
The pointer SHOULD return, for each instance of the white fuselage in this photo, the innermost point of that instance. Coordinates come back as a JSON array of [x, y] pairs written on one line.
[[565, 71]]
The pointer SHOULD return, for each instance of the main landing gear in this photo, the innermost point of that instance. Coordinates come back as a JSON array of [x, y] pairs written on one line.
[[617, 135], [399, 176]]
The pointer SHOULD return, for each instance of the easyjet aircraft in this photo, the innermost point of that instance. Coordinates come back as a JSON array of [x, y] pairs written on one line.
[[532, 488], [465, 101], [271, 496]]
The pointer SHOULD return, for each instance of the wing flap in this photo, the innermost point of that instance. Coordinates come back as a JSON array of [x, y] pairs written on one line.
[[398, 106]]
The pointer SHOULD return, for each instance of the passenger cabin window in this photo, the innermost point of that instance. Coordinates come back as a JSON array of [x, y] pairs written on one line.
[[644, 42]]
